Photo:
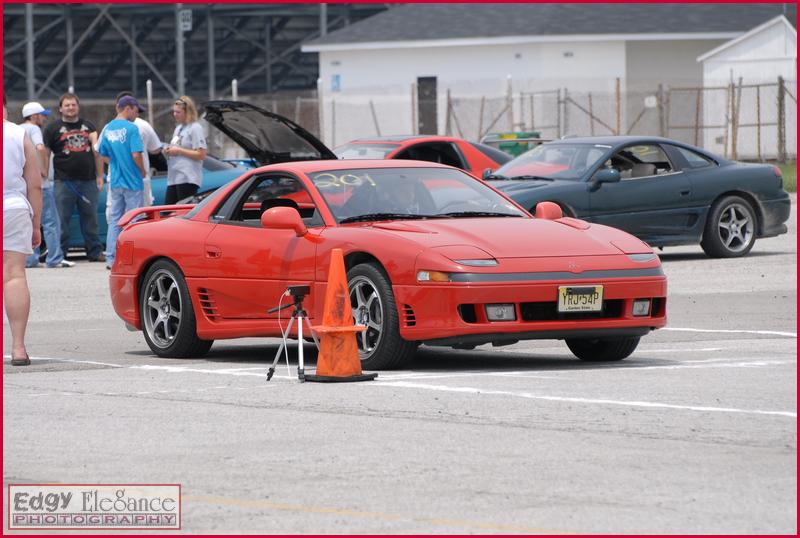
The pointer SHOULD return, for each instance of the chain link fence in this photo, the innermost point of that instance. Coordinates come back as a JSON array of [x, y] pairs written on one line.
[[738, 120]]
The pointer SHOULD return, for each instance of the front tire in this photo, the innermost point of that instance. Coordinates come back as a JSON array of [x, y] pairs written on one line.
[[167, 316], [602, 349], [380, 347], [730, 230]]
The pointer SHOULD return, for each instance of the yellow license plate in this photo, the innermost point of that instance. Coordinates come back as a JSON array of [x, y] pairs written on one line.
[[580, 298]]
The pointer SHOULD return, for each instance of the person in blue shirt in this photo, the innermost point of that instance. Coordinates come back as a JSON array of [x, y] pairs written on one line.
[[121, 145]]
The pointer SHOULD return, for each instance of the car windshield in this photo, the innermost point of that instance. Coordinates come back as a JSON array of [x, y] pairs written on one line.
[[356, 150], [553, 161], [360, 195]]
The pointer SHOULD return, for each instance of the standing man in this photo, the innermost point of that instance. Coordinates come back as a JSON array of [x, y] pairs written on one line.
[[33, 115], [121, 144], [22, 208], [78, 173]]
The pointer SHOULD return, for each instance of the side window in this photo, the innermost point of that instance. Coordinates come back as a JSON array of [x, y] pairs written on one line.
[[246, 205], [694, 159], [644, 160]]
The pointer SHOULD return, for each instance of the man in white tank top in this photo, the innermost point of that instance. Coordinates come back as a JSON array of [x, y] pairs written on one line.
[[22, 209]]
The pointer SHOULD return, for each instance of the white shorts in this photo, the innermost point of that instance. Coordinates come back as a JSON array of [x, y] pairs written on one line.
[[17, 231]]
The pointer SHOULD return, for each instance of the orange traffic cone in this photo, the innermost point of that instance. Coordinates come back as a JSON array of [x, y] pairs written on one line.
[[338, 350]]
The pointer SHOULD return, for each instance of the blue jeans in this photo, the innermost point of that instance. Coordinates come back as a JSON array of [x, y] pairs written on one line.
[[51, 226], [122, 201], [82, 194]]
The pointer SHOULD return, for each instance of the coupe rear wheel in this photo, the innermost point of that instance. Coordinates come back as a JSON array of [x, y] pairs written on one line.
[[380, 347], [602, 349], [167, 316], [730, 229]]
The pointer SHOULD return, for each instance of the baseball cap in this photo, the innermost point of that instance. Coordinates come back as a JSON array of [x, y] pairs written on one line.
[[29, 109], [129, 100]]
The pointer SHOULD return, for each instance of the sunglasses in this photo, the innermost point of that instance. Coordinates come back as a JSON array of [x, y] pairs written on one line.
[[182, 103]]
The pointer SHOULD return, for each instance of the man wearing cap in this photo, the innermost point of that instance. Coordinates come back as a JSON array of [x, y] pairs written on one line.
[[33, 115], [121, 144], [78, 173]]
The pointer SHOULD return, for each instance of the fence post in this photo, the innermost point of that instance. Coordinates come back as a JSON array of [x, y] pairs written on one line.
[[758, 120], [660, 107], [737, 110], [414, 122], [375, 118], [558, 113], [728, 118], [321, 109], [566, 110], [697, 116], [480, 118], [333, 122], [448, 108], [510, 104], [591, 116], [619, 106], [533, 123], [781, 120]]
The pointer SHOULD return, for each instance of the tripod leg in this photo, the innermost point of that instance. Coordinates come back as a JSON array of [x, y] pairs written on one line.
[[283, 347], [311, 332], [301, 375]]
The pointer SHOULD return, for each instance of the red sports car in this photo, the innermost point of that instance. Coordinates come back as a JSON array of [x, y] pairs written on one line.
[[433, 256], [469, 156]]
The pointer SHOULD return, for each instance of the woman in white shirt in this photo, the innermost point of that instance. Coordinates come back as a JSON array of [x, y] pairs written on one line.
[[22, 210], [185, 152]]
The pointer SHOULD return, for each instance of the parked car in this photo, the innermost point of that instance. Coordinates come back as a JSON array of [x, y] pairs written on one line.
[[663, 191], [215, 174], [469, 156], [447, 270]]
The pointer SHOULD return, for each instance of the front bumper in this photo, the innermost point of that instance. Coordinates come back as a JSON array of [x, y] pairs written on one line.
[[437, 315]]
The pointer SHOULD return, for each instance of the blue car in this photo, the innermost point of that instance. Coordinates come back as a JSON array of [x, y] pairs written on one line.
[[215, 174], [663, 191]]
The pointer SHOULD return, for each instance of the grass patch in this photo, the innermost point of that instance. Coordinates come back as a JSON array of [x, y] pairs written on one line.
[[789, 171]]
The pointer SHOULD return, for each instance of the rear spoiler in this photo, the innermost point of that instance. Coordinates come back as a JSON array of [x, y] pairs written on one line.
[[154, 212]]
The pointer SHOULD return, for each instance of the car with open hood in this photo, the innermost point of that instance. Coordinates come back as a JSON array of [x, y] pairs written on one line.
[[433, 256], [663, 191]]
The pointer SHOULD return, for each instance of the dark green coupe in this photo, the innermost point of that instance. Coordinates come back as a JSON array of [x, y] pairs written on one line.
[[665, 192]]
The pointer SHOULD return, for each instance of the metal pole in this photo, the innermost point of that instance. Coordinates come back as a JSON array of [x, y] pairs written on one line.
[[235, 90], [619, 107], [320, 110], [781, 120], [661, 123], [758, 120], [323, 19], [375, 118], [510, 104], [697, 117], [333, 122], [180, 73], [268, 53], [134, 74], [29, 42], [70, 58], [591, 115], [212, 71], [414, 120], [149, 85]]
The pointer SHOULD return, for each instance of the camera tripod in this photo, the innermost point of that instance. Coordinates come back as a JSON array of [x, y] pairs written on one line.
[[299, 315]]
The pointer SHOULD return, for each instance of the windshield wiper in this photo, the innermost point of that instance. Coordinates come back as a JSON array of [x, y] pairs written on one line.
[[385, 216], [495, 176], [532, 177], [460, 214]]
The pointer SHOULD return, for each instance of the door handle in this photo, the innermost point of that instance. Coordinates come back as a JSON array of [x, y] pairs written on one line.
[[686, 193], [213, 253]]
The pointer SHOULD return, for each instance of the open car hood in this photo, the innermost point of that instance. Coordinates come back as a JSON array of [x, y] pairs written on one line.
[[266, 137]]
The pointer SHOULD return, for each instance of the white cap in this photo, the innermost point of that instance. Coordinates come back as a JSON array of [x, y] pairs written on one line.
[[34, 108]]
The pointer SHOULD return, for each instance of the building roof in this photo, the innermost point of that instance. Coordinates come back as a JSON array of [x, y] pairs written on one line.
[[432, 22], [780, 19]]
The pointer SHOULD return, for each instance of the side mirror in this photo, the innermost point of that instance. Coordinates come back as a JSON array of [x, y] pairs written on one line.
[[284, 218], [486, 173], [606, 175], [548, 210]]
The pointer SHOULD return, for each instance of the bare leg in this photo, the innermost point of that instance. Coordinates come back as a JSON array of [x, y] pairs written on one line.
[[16, 299]]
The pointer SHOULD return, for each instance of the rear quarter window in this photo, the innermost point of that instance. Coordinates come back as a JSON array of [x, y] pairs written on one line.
[[500, 157]]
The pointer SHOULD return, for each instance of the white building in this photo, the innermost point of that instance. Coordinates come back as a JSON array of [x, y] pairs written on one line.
[[367, 71], [755, 60]]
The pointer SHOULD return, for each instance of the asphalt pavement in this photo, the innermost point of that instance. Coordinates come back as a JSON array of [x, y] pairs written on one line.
[[695, 433]]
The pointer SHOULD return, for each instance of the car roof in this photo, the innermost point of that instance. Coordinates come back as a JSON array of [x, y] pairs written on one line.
[[401, 138], [612, 140], [306, 167]]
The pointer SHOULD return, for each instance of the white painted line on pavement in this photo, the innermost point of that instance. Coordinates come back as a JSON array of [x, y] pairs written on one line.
[[731, 331], [624, 403]]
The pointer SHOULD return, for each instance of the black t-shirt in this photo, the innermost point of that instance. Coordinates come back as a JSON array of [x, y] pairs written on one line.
[[73, 157]]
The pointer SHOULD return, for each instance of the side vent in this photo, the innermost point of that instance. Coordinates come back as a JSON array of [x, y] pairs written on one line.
[[208, 304], [409, 318]]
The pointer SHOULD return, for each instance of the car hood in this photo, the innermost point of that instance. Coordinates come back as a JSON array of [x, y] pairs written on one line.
[[516, 237], [511, 187], [267, 137]]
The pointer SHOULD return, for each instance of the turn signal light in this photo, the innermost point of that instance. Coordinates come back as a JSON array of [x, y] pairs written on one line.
[[641, 307], [432, 276]]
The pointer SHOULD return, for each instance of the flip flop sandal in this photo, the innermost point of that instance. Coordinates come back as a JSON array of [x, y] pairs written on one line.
[[21, 361]]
